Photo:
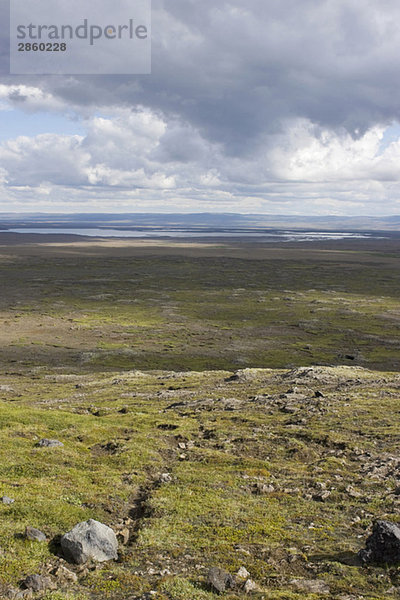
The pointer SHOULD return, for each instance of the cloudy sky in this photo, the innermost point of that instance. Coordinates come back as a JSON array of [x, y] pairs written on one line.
[[262, 106]]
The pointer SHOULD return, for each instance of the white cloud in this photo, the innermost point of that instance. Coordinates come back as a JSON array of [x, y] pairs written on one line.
[[30, 98], [142, 161]]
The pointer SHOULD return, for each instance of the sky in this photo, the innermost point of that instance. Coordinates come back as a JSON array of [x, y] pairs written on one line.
[[252, 106]]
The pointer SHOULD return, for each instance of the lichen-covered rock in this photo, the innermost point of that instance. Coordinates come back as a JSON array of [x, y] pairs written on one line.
[[383, 545], [243, 573], [250, 586], [90, 540]]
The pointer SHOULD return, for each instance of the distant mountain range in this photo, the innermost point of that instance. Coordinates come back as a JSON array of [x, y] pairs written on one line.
[[200, 221]]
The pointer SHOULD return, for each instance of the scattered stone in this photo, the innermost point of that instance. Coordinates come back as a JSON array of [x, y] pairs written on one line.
[[90, 540], [243, 573], [251, 586], [383, 545], [311, 586], [35, 535], [352, 492], [7, 388], [26, 594], [65, 575], [231, 404], [262, 488], [45, 443], [220, 580], [123, 535], [321, 496], [7, 500], [37, 583]]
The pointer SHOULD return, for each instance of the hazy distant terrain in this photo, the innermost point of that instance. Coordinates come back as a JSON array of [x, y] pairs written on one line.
[[205, 221], [185, 305]]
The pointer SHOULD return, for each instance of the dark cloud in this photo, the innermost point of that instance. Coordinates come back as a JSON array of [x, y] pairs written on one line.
[[252, 95], [236, 69]]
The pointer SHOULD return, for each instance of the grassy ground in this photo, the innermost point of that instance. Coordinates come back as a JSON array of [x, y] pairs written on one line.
[[281, 482], [126, 357]]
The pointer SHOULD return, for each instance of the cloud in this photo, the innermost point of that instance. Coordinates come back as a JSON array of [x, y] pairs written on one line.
[[235, 71], [263, 104], [139, 156]]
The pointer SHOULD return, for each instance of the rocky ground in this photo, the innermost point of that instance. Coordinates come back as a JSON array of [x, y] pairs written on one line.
[[259, 482]]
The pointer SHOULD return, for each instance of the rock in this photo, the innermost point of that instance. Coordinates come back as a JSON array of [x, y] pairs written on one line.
[[7, 388], [37, 583], [352, 492], [321, 496], [34, 535], [383, 545], [243, 573], [220, 580], [26, 594], [65, 575], [251, 586], [90, 540], [310, 586], [123, 535], [7, 500], [262, 488], [165, 478], [45, 443]]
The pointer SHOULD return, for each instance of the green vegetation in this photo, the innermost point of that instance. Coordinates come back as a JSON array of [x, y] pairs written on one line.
[[248, 462], [128, 361]]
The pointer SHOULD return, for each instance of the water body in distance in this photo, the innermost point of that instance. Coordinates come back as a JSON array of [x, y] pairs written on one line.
[[282, 236]]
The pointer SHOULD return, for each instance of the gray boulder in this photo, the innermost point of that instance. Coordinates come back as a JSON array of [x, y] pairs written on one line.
[[90, 540], [45, 443], [383, 545], [220, 580], [37, 583], [35, 535]]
